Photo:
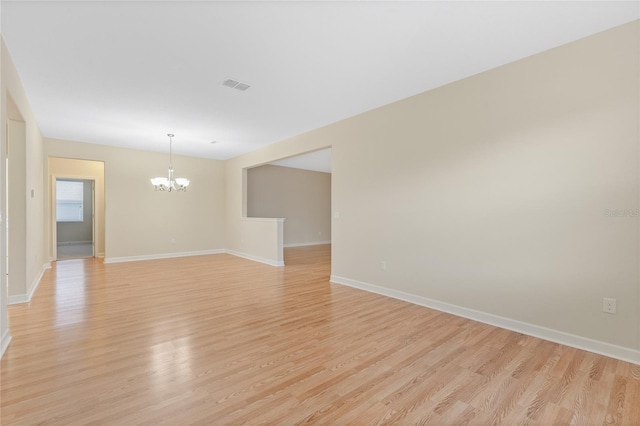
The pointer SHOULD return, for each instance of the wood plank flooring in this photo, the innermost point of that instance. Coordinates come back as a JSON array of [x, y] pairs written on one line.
[[219, 340]]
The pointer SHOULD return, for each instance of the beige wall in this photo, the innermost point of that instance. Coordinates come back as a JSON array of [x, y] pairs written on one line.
[[302, 197], [4, 291], [264, 237], [142, 222], [490, 194], [78, 169], [16, 210], [27, 172]]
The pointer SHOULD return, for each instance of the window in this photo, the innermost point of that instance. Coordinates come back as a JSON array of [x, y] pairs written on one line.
[[69, 201]]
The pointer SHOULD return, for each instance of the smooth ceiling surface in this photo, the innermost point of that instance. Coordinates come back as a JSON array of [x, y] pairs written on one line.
[[127, 73]]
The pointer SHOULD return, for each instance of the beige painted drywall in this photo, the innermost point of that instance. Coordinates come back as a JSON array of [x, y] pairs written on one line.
[[16, 217], [142, 222], [29, 201], [302, 197], [494, 193], [78, 169], [4, 296], [265, 238]]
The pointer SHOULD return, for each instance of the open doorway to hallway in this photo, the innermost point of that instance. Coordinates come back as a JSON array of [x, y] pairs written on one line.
[[74, 207], [77, 208]]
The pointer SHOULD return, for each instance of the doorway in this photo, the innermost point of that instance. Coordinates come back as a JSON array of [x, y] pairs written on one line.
[[77, 170], [297, 189], [74, 216]]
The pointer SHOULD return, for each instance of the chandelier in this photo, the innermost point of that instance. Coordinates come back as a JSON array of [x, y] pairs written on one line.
[[170, 184]]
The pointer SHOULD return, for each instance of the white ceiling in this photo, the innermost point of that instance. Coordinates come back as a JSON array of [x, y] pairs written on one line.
[[126, 73]]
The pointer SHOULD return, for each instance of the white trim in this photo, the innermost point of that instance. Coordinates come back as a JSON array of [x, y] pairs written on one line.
[[162, 256], [579, 342], [312, 243], [263, 219], [255, 258], [25, 298], [100, 255], [4, 342]]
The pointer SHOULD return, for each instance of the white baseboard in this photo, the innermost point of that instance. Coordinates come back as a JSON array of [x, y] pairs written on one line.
[[255, 258], [4, 342], [602, 348], [25, 298], [312, 243], [162, 256]]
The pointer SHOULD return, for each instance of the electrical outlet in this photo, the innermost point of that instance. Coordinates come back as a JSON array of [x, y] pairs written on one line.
[[609, 305], [383, 265]]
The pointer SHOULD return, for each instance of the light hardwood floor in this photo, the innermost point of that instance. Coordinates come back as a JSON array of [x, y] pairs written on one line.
[[223, 340]]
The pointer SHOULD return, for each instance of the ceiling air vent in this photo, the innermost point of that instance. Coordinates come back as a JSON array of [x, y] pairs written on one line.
[[234, 84], [242, 86]]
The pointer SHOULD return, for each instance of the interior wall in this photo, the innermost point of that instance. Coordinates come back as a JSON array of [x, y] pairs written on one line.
[[140, 221], [512, 193], [79, 169], [31, 198], [5, 336], [16, 210], [302, 197], [78, 232]]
